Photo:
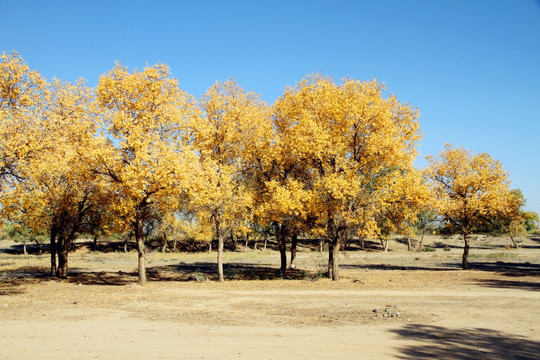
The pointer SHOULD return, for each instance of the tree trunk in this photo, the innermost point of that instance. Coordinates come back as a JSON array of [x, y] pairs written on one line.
[[174, 245], [421, 238], [39, 246], [362, 241], [265, 241], [465, 262], [294, 243], [164, 247], [63, 250], [126, 243], [53, 251], [141, 251], [409, 248], [219, 235], [333, 252], [246, 243], [280, 237], [384, 244], [210, 246], [233, 240], [24, 248], [321, 245], [95, 242], [514, 242]]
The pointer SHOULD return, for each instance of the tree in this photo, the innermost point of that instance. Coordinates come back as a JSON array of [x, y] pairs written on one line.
[[347, 135], [425, 221], [470, 189], [226, 137], [58, 189], [21, 99], [404, 197], [146, 162], [514, 221]]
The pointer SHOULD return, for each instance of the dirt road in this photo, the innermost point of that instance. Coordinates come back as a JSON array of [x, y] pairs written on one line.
[[411, 309]]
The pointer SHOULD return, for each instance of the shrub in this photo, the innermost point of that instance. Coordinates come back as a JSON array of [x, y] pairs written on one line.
[[426, 249]]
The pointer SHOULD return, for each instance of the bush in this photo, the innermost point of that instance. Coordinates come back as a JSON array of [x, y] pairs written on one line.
[[426, 249]]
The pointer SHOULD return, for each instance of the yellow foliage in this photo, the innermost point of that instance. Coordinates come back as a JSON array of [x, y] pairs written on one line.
[[345, 136], [228, 137], [146, 113], [468, 188]]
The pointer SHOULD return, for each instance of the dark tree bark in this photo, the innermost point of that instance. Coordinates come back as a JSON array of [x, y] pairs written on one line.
[[333, 264], [233, 240], [39, 246], [62, 270], [465, 261], [53, 250], [64, 242], [294, 243], [281, 237], [95, 242], [335, 234]]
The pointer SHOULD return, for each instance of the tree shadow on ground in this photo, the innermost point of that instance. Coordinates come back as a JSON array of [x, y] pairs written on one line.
[[13, 282], [31, 249], [509, 284], [198, 272], [442, 267], [436, 342], [515, 269], [244, 271]]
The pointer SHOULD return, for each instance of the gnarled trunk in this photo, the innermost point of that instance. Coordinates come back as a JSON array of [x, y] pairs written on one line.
[[280, 237], [294, 243], [514, 243], [333, 253], [63, 252], [465, 261], [164, 246], [39, 246], [141, 251], [384, 244], [53, 251]]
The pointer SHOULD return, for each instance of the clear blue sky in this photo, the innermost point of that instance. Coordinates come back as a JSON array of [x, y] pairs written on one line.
[[471, 67]]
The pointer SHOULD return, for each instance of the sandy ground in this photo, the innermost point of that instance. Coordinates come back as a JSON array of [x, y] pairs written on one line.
[[400, 304]]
